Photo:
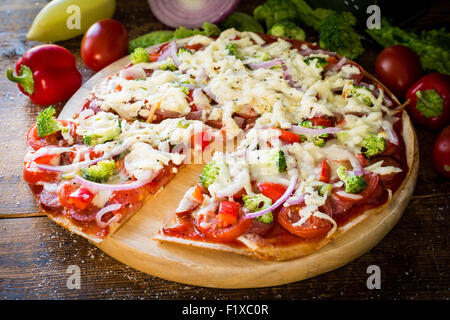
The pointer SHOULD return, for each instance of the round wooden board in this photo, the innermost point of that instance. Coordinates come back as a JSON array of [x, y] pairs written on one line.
[[133, 245]]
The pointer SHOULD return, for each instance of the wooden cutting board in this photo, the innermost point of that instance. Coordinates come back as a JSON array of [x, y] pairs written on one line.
[[133, 245]]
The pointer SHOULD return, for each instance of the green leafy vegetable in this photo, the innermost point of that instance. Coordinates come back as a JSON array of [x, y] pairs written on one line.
[[242, 22], [433, 47], [156, 37], [150, 39]]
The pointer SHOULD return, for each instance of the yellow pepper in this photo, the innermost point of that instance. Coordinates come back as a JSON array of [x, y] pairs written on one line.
[[66, 19]]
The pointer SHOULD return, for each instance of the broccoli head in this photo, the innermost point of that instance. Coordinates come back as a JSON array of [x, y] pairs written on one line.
[[232, 49], [100, 172], [258, 202], [139, 55], [209, 174], [362, 94], [337, 34], [317, 140], [99, 128], [309, 16], [273, 11], [183, 50], [320, 62], [281, 162], [326, 188], [372, 145], [287, 29], [242, 22], [46, 122], [168, 64], [353, 184]]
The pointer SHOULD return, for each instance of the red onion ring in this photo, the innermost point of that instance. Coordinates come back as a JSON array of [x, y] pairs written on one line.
[[86, 113], [351, 196], [83, 217], [280, 201], [295, 200], [196, 95], [266, 64], [113, 187], [99, 215], [392, 135], [74, 166], [171, 51], [309, 131], [191, 14]]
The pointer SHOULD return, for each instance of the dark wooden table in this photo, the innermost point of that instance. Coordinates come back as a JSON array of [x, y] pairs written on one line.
[[35, 253]]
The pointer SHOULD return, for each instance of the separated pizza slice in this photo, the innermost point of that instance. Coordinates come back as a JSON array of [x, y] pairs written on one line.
[[92, 173]]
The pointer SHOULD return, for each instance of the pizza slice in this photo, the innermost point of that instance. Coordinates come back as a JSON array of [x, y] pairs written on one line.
[[282, 195], [91, 173]]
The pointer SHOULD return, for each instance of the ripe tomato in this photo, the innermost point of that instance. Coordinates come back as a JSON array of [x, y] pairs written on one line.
[[224, 234], [36, 142], [441, 153], [32, 174], [398, 67], [312, 228], [103, 43]]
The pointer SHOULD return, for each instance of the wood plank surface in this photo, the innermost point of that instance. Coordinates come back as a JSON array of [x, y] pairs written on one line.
[[35, 253]]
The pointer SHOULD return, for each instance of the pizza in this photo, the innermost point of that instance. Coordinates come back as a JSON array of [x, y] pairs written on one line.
[[298, 145]]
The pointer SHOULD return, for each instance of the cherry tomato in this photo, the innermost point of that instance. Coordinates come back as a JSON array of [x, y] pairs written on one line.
[[272, 190], [32, 174], [36, 142], [441, 153], [398, 67], [103, 43], [224, 234], [314, 227]]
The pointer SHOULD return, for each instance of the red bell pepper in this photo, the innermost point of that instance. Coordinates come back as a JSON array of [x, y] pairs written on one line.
[[228, 213], [325, 171], [288, 136], [47, 74], [272, 190], [430, 101]]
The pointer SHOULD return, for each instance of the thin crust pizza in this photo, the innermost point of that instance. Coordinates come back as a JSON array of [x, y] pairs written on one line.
[[316, 144]]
